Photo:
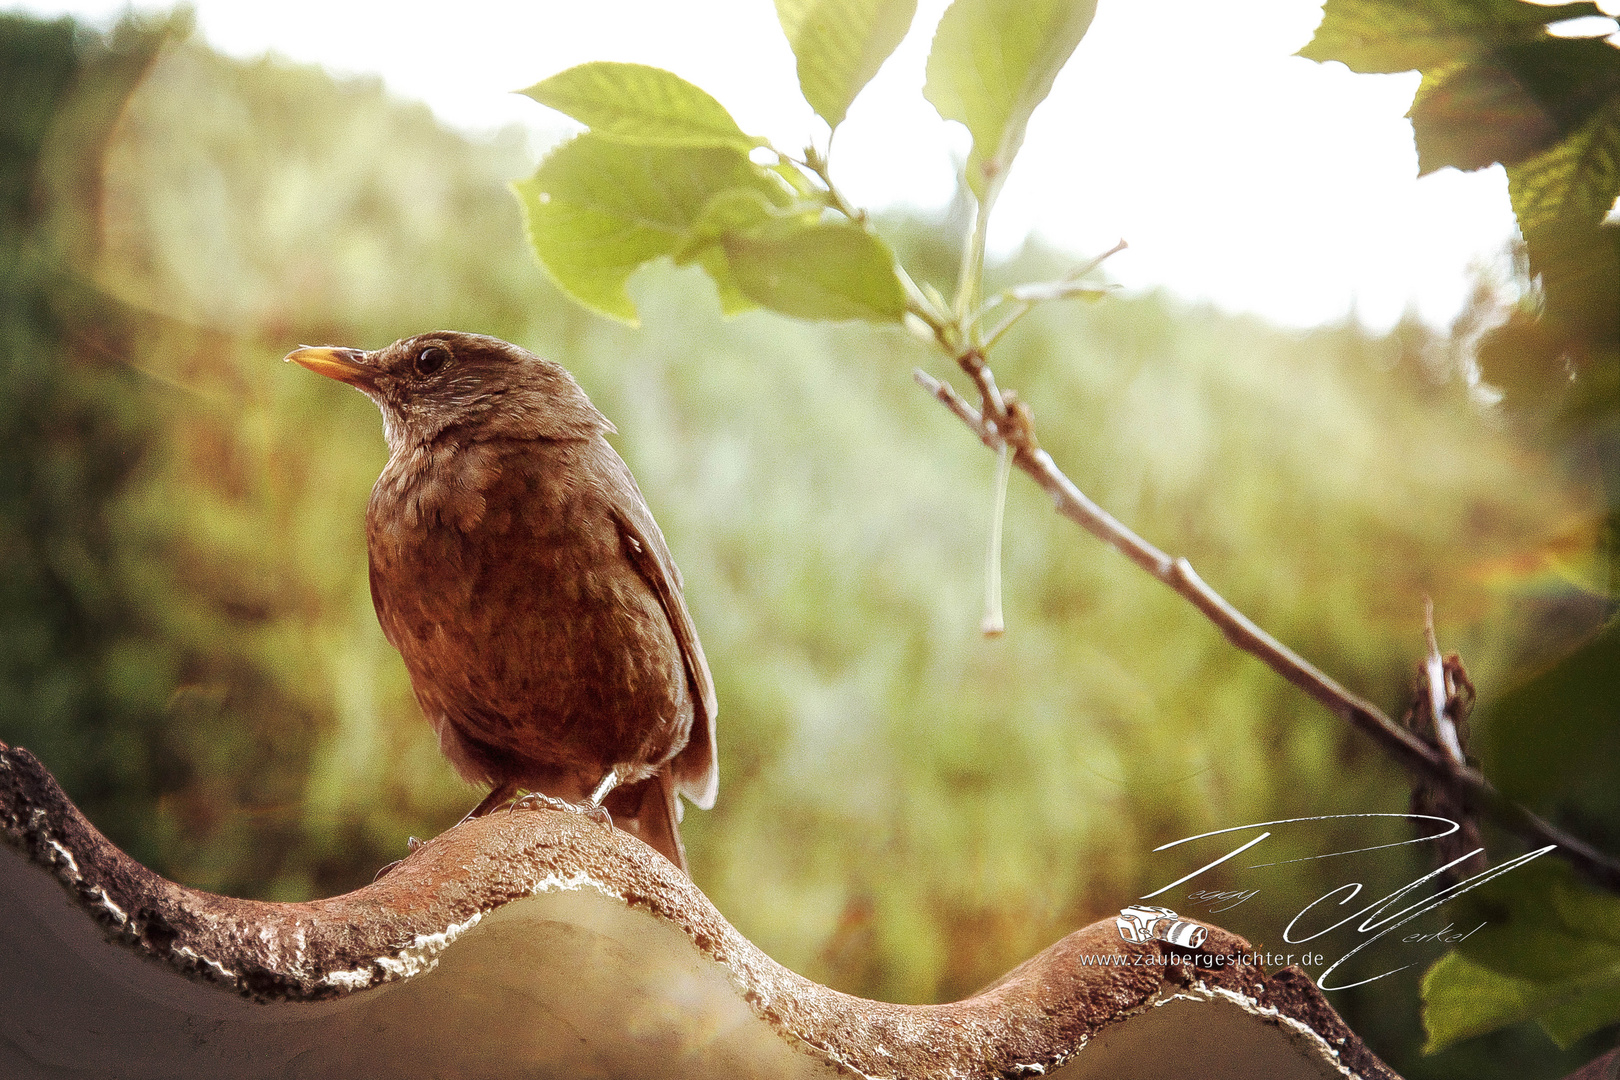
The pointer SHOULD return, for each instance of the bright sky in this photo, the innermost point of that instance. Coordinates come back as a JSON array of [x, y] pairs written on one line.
[[1239, 173]]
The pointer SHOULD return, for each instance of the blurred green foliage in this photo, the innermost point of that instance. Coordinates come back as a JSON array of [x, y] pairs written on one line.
[[71, 429], [907, 809], [1500, 88]]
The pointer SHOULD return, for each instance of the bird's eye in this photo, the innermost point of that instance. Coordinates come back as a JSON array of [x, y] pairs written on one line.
[[431, 359]]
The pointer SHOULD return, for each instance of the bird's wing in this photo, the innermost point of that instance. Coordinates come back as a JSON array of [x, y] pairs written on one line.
[[696, 767], [387, 618]]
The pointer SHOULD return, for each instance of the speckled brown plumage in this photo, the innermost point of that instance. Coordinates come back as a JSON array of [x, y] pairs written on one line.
[[518, 571]]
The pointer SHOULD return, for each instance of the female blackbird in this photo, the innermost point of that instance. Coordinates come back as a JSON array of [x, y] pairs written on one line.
[[518, 571]]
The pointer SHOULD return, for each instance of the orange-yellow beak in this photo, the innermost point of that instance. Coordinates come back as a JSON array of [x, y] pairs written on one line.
[[344, 365]]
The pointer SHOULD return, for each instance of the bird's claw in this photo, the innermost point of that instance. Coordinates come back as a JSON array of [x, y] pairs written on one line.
[[535, 800], [413, 845]]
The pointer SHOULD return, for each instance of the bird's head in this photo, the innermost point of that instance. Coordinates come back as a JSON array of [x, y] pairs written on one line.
[[466, 387]]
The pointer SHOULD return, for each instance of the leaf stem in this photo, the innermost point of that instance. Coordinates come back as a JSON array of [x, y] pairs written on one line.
[[918, 302], [971, 277], [994, 624], [1020, 309], [817, 164]]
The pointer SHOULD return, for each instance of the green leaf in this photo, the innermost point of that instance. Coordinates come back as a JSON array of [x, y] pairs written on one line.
[[729, 213], [799, 182], [1549, 951], [1384, 36], [825, 270], [1579, 270], [1535, 924], [840, 44], [1583, 1011], [733, 301], [1525, 358], [1498, 87], [1575, 181], [992, 63], [1470, 115], [641, 104], [1462, 999], [597, 209]]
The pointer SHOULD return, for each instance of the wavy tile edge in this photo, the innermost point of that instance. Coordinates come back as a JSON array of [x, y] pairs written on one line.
[[1037, 1019]]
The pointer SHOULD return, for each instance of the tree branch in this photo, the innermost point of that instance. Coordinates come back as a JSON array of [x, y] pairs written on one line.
[[1016, 429]]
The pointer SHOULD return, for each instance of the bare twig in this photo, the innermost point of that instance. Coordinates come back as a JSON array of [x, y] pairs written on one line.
[[1467, 784], [1434, 671], [1437, 712], [990, 401]]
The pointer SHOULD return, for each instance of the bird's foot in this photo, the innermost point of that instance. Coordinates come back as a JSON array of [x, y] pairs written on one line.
[[412, 844], [535, 800]]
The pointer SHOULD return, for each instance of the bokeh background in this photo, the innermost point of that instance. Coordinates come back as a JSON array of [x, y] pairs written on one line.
[[907, 809]]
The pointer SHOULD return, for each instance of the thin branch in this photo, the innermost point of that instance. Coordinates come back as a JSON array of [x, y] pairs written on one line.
[[1016, 430], [990, 399]]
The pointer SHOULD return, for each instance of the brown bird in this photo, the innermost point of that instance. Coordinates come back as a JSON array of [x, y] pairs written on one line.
[[518, 571]]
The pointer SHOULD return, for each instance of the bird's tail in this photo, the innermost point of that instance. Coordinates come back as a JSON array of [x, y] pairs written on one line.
[[647, 811]]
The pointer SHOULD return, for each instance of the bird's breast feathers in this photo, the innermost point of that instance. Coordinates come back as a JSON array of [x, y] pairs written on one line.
[[422, 486]]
